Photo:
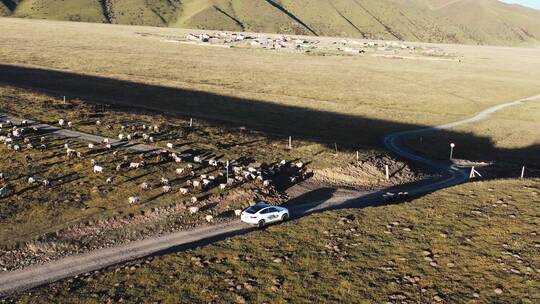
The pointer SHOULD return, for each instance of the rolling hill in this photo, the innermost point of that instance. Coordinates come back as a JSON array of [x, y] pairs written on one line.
[[453, 21]]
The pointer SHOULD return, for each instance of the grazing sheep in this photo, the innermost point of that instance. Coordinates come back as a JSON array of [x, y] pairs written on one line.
[[184, 190], [299, 165], [121, 136], [194, 199], [206, 182], [209, 218], [98, 123], [31, 180], [222, 186], [80, 155], [134, 165], [115, 153], [134, 200], [26, 140], [93, 162], [69, 124], [42, 139], [145, 186], [61, 122], [118, 167], [108, 146], [109, 180], [237, 212], [90, 146], [213, 163], [24, 122], [164, 181], [98, 169], [2, 175], [128, 137], [196, 184], [16, 148], [166, 189], [282, 163], [151, 139], [179, 170], [197, 159], [170, 145], [105, 140], [193, 210], [46, 182], [267, 183], [29, 146]]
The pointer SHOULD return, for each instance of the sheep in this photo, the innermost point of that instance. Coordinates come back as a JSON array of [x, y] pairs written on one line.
[[90, 146], [115, 153], [177, 159], [134, 165], [121, 136], [222, 186], [193, 210], [61, 122], [108, 146], [118, 167], [209, 218], [16, 148], [166, 189], [3, 191], [145, 137], [145, 186], [203, 176], [93, 162], [98, 123], [98, 169], [197, 159], [170, 145], [105, 140], [2, 175], [213, 163], [282, 163], [151, 139], [31, 180], [252, 170], [70, 124], [299, 165], [42, 139], [134, 200], [164, 181], [184, 190], [267, 183], [26, 140], [29, 146], [80, 155], [128, 137], [109, 180], [46, 182], [206, 182], [196, 184], [194, 199], [179, 171], [237, 212]]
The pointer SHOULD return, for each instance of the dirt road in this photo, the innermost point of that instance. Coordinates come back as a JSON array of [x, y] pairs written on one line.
[[322, 199]]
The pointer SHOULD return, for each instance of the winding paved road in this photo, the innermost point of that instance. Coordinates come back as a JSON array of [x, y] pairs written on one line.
[[325, 199]]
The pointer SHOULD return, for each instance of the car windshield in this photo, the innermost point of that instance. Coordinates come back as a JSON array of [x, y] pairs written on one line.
[[255, 209]]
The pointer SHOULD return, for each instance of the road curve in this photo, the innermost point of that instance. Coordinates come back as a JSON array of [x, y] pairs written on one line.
[[17, 281]]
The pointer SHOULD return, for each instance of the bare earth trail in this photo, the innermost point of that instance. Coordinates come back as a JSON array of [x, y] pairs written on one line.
[[321, 199]]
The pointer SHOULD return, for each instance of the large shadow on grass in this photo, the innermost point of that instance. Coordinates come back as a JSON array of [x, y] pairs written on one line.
[[350, 132]]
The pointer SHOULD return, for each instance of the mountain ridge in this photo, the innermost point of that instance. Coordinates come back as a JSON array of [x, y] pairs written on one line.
[[441, 21]]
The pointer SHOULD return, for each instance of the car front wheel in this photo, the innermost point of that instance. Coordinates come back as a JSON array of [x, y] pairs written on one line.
[[284, 217], [261, 223]]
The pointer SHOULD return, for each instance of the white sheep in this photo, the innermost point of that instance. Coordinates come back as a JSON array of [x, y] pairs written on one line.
[[31, 180], [121, 136], [222, 186], [197, 159], [184, 190], [69, 124], [93, 162], [16, 148], [61, 122], [267, 183], [193, 210], [170, 145], [206, 182], [98, 169], [90, 146], [209, 218], [145, 186], [179, 170], [237, 212], [196, 184], [134, 165], [166, 189], [134, 199], [164, 181], [46, 182], [109, 180], [194, 199]]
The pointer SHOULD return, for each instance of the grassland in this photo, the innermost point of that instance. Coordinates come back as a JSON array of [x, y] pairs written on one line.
[[79, 210], [351, 100], [475, 243], [475, 22]]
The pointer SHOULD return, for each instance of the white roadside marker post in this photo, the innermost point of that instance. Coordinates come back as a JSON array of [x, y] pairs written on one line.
[[452, 146], [523, 172], [290, 142], [387, 171], [191, 122]]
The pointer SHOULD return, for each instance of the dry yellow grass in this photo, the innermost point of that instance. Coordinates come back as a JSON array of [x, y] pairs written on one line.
[[353, 99]]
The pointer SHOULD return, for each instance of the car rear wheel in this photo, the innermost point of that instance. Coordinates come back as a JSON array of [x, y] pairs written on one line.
[[261, 223], [284, 217]]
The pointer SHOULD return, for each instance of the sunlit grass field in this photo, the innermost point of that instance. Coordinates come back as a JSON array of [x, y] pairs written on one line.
[[474, 243]]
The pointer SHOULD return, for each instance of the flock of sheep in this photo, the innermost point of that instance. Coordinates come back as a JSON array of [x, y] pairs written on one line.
[[23, 137]]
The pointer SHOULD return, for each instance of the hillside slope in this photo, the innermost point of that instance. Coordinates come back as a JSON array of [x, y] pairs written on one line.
[[454, 21]]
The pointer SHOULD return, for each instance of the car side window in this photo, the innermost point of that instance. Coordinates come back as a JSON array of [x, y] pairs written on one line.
[[271, 210], [266, 211]]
